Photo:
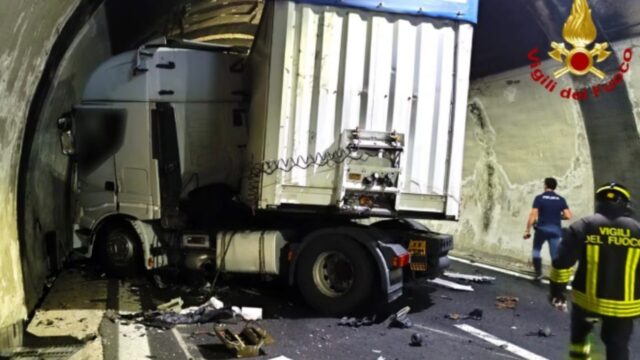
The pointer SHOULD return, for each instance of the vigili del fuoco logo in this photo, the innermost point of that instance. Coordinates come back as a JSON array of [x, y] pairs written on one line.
[[581, 58]]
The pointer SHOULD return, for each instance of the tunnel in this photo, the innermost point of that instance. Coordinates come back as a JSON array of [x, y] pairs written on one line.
[[517, 131]]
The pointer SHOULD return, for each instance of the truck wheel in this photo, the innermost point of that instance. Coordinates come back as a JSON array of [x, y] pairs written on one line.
[[120, 251], [335, 275]]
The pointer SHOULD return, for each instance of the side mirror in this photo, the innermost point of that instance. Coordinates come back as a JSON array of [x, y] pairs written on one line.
[[67, 141]]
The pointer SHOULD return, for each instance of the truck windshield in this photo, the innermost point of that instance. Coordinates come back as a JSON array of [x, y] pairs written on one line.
[[99, 134]]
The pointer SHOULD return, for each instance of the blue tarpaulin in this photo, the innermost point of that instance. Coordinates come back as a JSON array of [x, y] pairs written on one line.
[[464, 10]]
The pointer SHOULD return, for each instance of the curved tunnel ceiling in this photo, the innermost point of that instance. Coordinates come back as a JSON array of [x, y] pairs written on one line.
[[507, 29]]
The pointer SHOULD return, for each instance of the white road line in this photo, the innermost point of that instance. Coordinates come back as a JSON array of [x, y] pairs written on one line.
[[525, 354], [501, 270], [181, 343], [133, 342], [441, 332]]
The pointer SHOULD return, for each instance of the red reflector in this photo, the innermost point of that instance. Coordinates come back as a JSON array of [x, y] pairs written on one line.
[[150, 263], [290, 255], [401, 261]]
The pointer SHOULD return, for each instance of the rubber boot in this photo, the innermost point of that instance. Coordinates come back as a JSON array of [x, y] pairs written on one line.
[[537, 267]]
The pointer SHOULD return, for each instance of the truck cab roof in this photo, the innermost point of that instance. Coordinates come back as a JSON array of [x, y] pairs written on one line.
[[169, 72]]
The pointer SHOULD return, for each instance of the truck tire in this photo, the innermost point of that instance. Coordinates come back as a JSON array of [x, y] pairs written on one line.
[[120, 250], [335, 275]]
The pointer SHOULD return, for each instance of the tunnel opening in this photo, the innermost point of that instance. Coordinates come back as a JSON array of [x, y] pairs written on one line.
[[95, 31]]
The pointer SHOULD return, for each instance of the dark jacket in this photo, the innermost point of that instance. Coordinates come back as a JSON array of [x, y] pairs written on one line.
[[607, 249]]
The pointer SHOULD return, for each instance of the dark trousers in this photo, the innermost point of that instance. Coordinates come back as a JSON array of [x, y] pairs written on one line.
[[615, 334]]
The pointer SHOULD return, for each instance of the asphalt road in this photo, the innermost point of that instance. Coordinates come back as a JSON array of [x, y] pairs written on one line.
[[301, 334]]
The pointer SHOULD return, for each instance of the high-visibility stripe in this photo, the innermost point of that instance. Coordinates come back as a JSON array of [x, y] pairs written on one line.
[[581, 348], [630, 273], [560, 275], [617, 188], [607, 307], [593, 259]]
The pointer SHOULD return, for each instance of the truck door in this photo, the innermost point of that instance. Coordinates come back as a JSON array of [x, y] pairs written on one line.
[[99, 135], [135, 172]]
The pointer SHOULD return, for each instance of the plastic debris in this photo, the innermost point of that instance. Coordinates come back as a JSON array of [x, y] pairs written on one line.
[[450, 284], [248, 313], [416, 339], [475, 314], [172, 305], [248, 343], [506, 302], [354, 322], [401, 319], [471, 278]]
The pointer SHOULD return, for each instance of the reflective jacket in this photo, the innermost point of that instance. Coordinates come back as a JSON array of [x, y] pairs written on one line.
[[607, 250]]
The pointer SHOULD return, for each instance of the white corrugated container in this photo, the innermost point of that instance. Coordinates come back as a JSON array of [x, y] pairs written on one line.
[[321, 70]]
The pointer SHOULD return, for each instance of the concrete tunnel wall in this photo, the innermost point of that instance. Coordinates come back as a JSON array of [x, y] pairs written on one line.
[[48, 51], [517, 134]]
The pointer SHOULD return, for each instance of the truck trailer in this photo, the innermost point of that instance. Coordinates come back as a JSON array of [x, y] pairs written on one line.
[[307, 158]]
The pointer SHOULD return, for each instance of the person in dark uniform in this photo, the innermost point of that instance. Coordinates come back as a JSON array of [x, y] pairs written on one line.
[[547, 212], [606, 286]]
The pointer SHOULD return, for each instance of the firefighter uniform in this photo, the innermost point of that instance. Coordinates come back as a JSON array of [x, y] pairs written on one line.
[[606, 246]]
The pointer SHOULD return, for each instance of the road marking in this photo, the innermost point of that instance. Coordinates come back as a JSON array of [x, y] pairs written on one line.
[[133, 340], [525, 354], [181, 342], [501, 270], [441, 332]]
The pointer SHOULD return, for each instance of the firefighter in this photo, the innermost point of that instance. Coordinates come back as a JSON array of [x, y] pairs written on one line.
[[606, 246]]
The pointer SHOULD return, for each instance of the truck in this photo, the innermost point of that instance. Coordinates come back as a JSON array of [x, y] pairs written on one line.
[[309, 158]]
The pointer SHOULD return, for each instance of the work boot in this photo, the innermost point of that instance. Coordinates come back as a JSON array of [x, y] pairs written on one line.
[[537, 267]]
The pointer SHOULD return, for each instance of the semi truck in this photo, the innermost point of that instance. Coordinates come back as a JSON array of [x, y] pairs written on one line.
[[309, 157]]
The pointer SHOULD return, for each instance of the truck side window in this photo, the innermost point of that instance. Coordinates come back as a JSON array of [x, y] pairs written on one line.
[[99, 134]]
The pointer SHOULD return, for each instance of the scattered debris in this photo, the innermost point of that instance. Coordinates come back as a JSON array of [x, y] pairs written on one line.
[[471, 278], [542, 332], [173, 305], [475, 314], [506, 302], [450, 284], [248, 343], [248, 313], [377, 351], [354, 322], [401, 319], [416, 339]]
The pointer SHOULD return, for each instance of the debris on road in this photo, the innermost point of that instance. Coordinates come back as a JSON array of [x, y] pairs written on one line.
[[542, 332], [355, 322], [506, 302], [172, 305], [475, 314], [248, 313], [471, 278], [248, 343], [281, 357], [416, 339], [450, 284], [401, 319]]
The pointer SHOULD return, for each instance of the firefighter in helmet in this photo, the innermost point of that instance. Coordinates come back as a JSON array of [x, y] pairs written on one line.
[[606, 288]]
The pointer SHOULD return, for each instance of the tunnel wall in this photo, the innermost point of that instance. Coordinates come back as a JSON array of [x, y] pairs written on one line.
[[47, 206], [28, 31], [517, 134]]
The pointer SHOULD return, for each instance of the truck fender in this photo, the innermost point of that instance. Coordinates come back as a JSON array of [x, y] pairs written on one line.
[[149, 240], [369, 238]]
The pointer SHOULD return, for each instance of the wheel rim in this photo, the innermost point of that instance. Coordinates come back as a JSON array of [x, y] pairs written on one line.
[[119, 249], [333, 274]]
